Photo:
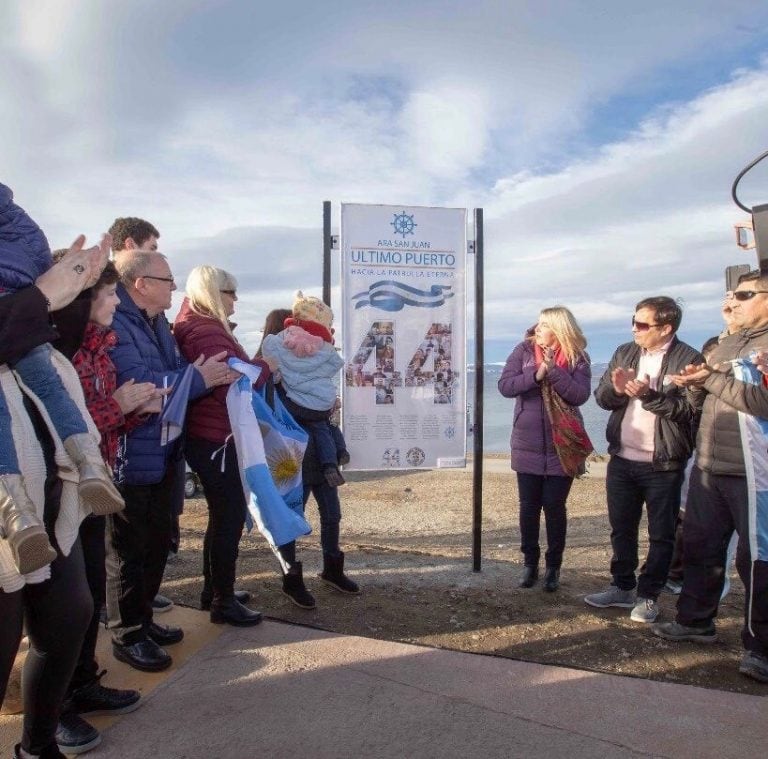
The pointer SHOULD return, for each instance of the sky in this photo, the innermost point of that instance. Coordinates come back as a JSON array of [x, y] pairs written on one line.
[[600, 138]]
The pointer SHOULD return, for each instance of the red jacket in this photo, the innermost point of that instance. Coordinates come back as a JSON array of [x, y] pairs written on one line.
[[196, 335], [99, 380]]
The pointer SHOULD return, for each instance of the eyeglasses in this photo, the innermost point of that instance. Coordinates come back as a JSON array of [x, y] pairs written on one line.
[[159, 279], [643, 326], [231, 293], [747, 294]]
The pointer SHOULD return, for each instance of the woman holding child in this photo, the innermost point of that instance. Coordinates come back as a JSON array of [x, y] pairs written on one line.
[[549, 376]]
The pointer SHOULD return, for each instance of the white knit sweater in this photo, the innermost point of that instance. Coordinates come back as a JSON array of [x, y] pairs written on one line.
[[32, 465]]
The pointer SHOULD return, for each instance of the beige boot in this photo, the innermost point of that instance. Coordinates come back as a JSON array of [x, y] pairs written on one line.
[[95, 488], [21, 527]]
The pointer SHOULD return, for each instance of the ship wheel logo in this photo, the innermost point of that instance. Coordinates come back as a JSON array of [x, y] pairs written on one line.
[[403, 224]]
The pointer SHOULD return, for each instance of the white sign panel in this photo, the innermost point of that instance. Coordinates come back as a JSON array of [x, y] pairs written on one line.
[[403, 315]]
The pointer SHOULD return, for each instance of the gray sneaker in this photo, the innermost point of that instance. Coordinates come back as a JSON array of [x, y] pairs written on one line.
[[625, 599], [161, 604], [646, 610], [676, 631], [755, 665], [673, 586]]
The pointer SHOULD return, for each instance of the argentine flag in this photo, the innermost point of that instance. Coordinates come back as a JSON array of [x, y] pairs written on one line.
[[754, 443], [270, 448]]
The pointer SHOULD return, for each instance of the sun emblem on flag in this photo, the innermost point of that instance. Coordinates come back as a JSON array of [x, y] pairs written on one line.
[[403, 224], [284, 463]]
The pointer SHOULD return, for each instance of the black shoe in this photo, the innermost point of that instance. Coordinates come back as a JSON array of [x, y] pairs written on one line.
[[206, 598], [529, 576], [333, 476], [294, 588], [165, 635], [551, 579], [74, 735], [232, 612], [145, 655], [161, 604], [95, 699], [333, 574]]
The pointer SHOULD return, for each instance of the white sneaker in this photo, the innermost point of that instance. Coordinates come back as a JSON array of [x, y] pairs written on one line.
[[646, 610]]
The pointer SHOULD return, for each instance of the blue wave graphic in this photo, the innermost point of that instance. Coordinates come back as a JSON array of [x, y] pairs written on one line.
[[394, 296]]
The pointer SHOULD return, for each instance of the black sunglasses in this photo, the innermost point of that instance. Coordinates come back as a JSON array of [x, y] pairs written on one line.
[[643, 326], [747, 294]]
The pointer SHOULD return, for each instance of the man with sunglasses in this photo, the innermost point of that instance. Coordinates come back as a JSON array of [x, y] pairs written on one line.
[[650, 437], [718, 495]]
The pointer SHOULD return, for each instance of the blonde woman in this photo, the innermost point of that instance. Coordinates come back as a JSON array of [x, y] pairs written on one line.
[[203, 328], [549, 376]]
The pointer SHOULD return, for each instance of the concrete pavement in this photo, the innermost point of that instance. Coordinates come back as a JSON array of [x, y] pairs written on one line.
[[281, 690]]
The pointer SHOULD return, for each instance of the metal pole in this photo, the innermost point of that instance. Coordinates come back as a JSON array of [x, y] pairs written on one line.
[[477, 468], [327, 252]]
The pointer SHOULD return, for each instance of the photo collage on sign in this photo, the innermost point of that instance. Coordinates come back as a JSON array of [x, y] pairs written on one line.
[[431, 364], [380, 340]]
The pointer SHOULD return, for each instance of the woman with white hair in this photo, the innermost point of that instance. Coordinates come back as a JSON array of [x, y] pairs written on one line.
[[203, 328]]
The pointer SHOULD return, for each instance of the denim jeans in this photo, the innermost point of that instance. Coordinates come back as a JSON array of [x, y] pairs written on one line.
[[629, 485], [547, 492], [41, 377]]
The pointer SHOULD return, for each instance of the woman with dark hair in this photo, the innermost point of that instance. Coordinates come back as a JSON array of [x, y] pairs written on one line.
[[203, 328], [549, 375]]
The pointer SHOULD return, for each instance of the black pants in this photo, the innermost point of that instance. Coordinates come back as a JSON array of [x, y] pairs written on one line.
[[629, 485], [141, 538], [329, 506], [226, 512], [716, 506], [549, 493], [56, 613], [92, 530]]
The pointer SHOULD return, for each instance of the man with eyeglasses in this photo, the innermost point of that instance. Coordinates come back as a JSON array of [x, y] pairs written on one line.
[[650, 437], [718, 497], [146, 471]]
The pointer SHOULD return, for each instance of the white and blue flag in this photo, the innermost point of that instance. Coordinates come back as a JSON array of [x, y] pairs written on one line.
[[270, 449], [754, 443]]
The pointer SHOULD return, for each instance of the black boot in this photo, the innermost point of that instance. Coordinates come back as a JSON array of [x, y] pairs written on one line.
[[229, 611], [333, 574], [551, 579], [206, 598], [49, 752], [529, 576], [294, 588]]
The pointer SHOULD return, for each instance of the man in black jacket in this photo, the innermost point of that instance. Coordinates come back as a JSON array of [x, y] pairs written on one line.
[[650, 437]]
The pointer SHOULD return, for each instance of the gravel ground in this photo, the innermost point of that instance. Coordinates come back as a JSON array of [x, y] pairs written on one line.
[[407, 536]]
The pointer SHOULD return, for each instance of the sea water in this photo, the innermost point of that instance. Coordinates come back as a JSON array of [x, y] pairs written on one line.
[[497, 412]]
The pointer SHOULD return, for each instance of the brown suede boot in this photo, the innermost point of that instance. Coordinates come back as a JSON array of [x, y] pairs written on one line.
[[21, 527], [95, 488]]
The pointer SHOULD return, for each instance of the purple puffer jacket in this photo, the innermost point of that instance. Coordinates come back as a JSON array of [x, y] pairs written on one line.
[[24, 250], [532, 449]]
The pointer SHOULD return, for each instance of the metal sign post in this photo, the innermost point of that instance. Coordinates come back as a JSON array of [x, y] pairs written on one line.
[[477, 438]]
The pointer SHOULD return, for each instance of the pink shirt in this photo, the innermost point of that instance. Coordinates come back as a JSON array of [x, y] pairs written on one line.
[[638, 425]]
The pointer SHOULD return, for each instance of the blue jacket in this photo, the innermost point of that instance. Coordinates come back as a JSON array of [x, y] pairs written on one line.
[[24, 250], [146, 353], [307, 380]]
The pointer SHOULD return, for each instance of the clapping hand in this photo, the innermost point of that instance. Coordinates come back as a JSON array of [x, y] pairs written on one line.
[[620, 377], [693, 375]]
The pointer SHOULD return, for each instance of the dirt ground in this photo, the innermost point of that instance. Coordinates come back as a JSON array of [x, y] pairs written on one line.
[[407, 537]]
